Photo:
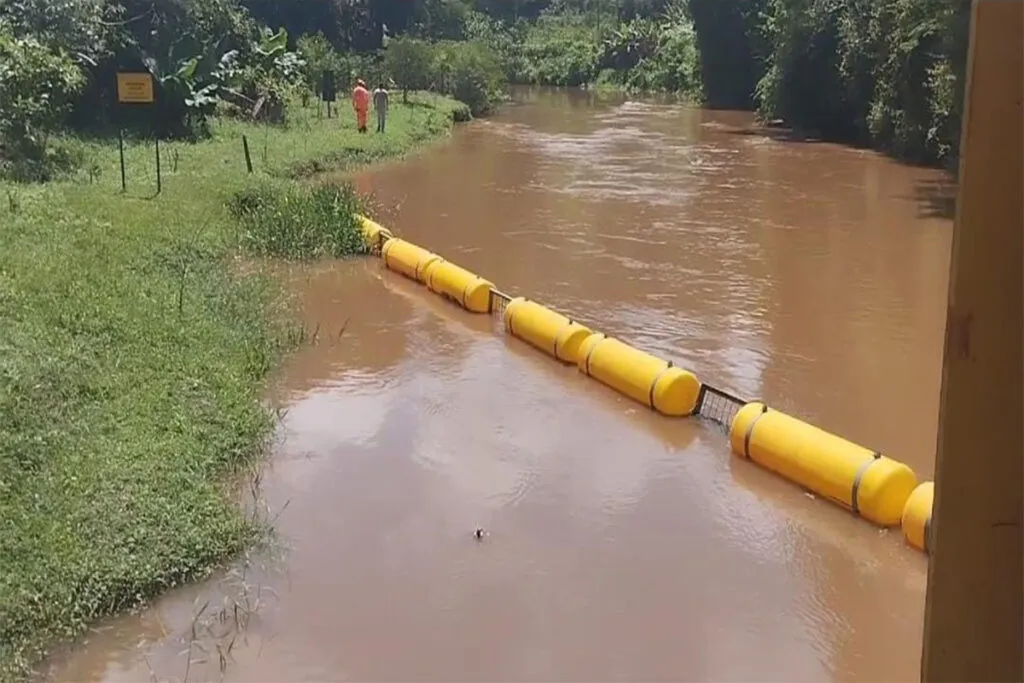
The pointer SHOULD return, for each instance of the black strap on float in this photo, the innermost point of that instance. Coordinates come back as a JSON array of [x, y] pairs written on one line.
[[654, 384], [586, 362], [750, 431], [430, 278], [855, 490], [426, 263], [510, 315], [557, 336]]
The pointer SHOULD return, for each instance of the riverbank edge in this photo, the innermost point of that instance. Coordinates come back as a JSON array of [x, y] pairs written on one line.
[[134, 356]]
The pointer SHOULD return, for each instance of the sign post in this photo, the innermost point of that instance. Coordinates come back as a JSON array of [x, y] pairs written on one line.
[[328, 93], [136, 88]]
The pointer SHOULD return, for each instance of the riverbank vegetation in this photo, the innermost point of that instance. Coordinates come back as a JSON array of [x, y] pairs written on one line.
[[134, 347], [883, 73]]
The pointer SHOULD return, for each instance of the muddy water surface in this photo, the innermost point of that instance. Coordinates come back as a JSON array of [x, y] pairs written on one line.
[[619, 545]]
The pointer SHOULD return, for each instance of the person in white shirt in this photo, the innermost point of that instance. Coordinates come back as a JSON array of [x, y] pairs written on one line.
[[381, 100]]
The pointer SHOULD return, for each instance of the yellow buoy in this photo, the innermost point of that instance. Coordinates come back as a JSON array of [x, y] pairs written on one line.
[[467, 289], [539, 326], [374, 233], [639, 375], [407, 258], [917, 516], [871, 485]]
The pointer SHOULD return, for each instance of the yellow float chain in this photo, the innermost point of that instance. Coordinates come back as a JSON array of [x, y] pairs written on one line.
[[464, 291], [586, 361], [654, 384], [854, 503], [426, 263], [750, 431], [855, 489], [567, 325]]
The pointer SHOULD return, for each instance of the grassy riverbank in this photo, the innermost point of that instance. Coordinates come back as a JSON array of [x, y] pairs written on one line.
[[132, 362]]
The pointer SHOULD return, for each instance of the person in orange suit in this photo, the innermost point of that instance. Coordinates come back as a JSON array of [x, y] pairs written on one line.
[[361, 103]]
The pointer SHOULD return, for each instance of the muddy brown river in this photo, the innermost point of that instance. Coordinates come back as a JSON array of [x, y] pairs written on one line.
[[619, 545]]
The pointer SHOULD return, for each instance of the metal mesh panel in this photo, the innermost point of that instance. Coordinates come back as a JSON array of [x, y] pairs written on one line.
[[718, 406], [498, 302]]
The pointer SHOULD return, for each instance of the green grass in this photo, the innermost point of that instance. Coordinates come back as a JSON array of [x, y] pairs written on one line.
[[299, 221], [133, 357]]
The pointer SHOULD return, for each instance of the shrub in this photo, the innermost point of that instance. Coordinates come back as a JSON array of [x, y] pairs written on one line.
[[470, 73], [408, 61], [561, 50], [321, 59], [299, 222], [505, 41], [36, 88], [673, 63]]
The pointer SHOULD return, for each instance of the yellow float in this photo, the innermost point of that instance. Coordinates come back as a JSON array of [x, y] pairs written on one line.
[[407, 258], [642, 377], [467, 289], [871, 485], [917, 516], [374, 233], [539, 326]]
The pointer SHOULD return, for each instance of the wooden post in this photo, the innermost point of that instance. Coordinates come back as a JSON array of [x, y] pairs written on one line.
[[974, 616], [120, 149], [248, 159]]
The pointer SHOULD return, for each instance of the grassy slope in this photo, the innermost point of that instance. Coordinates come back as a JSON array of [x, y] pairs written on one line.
[[131, 369]]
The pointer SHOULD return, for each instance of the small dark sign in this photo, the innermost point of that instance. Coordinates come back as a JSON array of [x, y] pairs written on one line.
[[327, 90]]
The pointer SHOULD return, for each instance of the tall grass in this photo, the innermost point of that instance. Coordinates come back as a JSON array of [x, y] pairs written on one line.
[[299, 222], [133, 355]]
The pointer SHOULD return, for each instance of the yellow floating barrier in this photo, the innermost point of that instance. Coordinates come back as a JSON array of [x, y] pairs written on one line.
[[374, 233], [871, 485], [407, 258], [656, 383], [551, 332], [467, 289], [917, 516]]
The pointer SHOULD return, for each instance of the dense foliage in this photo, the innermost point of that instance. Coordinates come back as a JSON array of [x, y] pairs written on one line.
[[883, 72], [887, 73], [241, 58]]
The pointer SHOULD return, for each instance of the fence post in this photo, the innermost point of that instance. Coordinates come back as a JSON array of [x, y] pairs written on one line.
[[248, 159]]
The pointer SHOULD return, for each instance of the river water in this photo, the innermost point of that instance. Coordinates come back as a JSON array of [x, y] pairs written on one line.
[[619, 545]]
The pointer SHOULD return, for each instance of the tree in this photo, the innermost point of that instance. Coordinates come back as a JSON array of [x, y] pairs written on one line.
[[36, 88], [469, 72], [408, 61], [321, 59]]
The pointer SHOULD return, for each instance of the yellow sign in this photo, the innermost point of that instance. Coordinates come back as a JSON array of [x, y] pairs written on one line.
[[135, 88]]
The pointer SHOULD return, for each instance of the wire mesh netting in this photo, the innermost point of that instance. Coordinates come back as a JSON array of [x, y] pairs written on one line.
[[718, 406], [498, 302]]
